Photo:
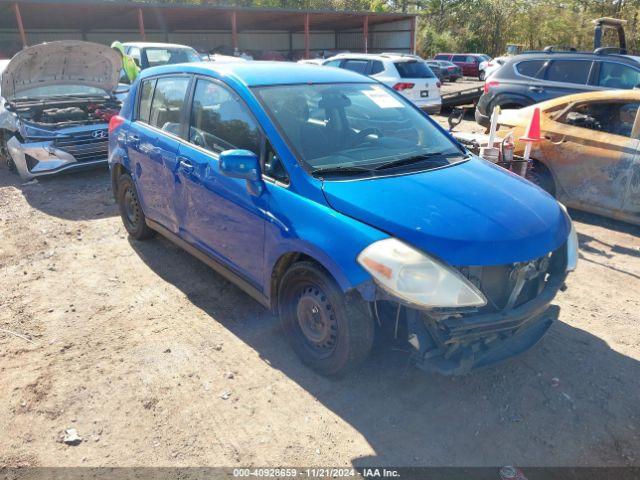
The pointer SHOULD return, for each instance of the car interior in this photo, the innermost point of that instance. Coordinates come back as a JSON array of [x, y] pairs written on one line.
[[617, 118]]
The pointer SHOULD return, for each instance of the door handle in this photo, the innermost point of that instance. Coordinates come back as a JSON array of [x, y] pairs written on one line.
[[185, 165], [536, 89], [555, 140], [133, 140]]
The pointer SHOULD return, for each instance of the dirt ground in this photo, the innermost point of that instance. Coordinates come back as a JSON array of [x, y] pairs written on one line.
[[158, 361]]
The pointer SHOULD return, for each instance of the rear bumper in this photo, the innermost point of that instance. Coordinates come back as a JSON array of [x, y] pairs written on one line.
[[481, 118]]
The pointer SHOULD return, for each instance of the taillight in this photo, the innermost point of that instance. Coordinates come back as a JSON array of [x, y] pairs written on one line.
[[488, 85], [403, 86], [489, 64], [115, 122]]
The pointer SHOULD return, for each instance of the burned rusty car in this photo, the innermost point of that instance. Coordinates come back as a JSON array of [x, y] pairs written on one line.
[[57, 100], [588, 156]]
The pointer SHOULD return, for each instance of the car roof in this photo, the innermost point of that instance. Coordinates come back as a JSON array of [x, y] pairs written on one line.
[[262, 73], [155, 44], [393, 57], [564, 55]]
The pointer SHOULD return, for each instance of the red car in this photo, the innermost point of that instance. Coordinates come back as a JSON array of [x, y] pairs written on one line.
[[468, 62]]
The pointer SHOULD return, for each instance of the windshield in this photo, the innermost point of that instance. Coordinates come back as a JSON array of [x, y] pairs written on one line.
[[170, 55], [357, 127], [61, 90]]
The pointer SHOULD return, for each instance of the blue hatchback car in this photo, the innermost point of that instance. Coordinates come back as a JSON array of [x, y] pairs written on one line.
[[332, 200]]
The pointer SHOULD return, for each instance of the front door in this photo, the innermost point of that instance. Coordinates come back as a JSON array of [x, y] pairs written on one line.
[[217, 213], [152, 145], [593, 152]]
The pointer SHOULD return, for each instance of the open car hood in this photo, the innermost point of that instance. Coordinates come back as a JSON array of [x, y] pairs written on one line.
[[68, 62]]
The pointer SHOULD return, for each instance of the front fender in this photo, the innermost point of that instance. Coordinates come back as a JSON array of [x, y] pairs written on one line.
[[296, 224]]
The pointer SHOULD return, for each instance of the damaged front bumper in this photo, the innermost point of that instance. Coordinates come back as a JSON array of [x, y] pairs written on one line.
[[458, 345], [455, 342], [79, 150]]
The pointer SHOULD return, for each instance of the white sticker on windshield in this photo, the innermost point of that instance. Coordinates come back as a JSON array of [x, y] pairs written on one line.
[[382, 98]]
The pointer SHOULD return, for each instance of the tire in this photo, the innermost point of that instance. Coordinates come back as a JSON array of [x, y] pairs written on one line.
[[330, 332], [540, 176], [130, 209], [482, 76]]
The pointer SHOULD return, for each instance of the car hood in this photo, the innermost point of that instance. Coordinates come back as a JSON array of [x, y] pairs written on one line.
[[473, 213], [68, 62]]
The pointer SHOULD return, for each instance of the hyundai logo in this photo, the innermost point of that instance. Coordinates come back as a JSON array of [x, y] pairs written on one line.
[[99, 134]]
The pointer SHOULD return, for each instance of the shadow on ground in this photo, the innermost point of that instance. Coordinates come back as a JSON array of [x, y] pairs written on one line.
[[570, 401], [71, 196]]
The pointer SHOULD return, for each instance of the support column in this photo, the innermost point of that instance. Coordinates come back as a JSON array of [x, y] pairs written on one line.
[[234, 31], [306, 35], [413, 35], [365, 34], [141, 25], [23, 35]]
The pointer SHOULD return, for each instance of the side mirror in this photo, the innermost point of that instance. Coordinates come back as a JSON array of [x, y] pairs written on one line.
[[245, 165]]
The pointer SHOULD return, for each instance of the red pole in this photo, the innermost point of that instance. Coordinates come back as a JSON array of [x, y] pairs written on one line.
[[306, 35], [23, 35], [234, 31], [141, 25], [365, 33]]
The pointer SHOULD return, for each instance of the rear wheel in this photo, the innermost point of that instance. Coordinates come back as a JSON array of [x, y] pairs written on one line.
[[130, 209], [330, 332]]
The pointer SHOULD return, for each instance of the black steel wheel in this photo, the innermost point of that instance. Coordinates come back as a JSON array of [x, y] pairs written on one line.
[[130, 209], [329, 331]]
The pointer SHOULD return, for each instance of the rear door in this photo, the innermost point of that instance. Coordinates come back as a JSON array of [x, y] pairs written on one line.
[[152, 144], [564, 77], [217, 213], [592, 154]]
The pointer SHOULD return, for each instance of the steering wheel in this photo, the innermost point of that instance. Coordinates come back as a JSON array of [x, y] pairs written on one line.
[[364, 133]]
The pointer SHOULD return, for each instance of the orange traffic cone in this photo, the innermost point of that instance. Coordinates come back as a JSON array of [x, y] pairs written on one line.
[[533, 130], [531, 136]]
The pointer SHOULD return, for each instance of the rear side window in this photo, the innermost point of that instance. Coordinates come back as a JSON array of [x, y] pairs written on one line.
[[333, 63], [146, 95], [441, 57], [413, 70], [221, 121], [569, 71], [616, 75], [459, 58], [531, 68], [376, 67], [358, 66], [168, 103]]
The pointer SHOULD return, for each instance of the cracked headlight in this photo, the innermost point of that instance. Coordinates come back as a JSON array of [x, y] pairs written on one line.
[[416, 278], [572, 243]]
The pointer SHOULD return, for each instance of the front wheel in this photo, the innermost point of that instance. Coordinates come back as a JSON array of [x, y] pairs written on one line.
[[330, 332], [130, 209]]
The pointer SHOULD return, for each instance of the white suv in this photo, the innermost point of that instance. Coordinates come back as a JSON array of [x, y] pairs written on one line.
[[407, 74]]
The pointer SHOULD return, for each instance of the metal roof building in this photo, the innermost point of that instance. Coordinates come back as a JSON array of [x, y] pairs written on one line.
[[294, 33]]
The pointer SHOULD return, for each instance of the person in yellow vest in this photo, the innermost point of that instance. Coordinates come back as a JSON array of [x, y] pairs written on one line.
[[130, 68]]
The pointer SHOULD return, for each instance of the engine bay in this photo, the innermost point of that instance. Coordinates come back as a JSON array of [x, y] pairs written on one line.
[[64, 113]]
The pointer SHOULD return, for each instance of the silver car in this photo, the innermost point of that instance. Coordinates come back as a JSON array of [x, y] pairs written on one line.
[[57, 100]]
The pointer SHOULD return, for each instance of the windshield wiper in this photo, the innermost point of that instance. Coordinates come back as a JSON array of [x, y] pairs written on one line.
[[440, 156], [341, 169]]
